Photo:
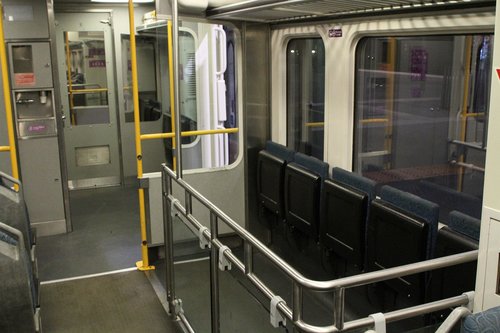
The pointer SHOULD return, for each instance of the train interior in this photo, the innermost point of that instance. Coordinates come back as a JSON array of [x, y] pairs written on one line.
[[249, 166]]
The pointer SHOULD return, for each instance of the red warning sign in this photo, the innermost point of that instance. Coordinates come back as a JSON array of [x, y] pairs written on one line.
[[24, 79], [498, 72]]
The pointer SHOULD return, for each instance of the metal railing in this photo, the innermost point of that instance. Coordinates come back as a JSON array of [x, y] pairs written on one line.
[[251, 244]]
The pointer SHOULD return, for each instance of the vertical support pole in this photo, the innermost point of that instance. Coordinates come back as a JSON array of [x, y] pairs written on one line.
[[338, 308], [188, 202], [175, 47], [172, 91], [248, 258], [142, 265], [8, 101], [214, 275], [296, 304], [166, 184], [389, 95]]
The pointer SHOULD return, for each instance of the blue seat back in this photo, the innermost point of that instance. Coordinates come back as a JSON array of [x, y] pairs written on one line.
[[486, 321], [313, 164], [465, 224], [416, 206], [280, 151], [355, 181]]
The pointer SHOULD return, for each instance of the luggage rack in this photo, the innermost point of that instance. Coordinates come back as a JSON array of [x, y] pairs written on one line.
[[222, 258]]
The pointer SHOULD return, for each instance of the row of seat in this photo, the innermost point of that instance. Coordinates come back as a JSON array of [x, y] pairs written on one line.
[[19, 290], [346, 217]]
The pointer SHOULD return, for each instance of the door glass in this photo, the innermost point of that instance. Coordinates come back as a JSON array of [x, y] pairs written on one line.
[[306, 95], [87, 77], [422, 114]]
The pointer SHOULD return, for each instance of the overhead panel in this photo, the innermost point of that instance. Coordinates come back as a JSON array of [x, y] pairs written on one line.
[[298, 10]]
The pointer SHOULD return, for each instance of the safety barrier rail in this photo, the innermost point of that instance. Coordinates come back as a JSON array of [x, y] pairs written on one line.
[[172, 206]]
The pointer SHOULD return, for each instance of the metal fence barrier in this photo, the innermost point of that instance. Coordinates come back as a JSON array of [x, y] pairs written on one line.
[[172, 206]]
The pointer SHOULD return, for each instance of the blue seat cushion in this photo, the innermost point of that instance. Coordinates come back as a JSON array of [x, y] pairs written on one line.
[[483, 322], [465, 224]]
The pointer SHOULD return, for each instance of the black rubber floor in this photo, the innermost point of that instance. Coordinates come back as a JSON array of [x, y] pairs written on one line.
[[122, 302]]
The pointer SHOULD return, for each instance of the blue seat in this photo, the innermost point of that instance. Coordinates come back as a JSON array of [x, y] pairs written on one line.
[[17, 292], [346, 199], [271, 164], [396, 238], [418, 207], [465, 224], [303, 182], [483, 322]]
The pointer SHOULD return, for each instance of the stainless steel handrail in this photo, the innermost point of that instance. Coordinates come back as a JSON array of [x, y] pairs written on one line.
[[300, 282]]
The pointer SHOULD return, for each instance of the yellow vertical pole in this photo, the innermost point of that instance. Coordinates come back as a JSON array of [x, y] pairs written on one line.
[[142, 265], [7, 100], [172, 97]]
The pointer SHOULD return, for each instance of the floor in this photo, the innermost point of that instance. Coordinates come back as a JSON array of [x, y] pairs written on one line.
[[105, 237]]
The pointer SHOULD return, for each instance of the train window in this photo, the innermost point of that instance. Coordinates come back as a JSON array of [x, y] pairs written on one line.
[[86, 71], [306, 95], [421, 115], [149, 106]]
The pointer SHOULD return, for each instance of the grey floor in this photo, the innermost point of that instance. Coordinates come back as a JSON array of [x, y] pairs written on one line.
[[105, 237], [123, 302]]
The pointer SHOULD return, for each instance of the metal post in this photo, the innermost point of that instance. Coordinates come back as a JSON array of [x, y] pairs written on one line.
[[169, 241], [248, 258], [177, 113], [142, 265], [214, 276], [188, 203], [338, 308], [8, 101], [296, 304], [171, 90]]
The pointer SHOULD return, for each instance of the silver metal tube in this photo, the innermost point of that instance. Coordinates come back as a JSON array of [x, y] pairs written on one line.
[[409, 312], [248, 258], [455, 316], [169, 241], [177, 104], [214, 277], [189, 203], [338, 308], [186, 323], [347, 282], [297, 302], [300, 282]]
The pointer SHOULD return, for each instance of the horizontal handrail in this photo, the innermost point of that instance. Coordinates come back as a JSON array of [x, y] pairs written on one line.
[[89, 107], [188, 133], [336, 286], [315, 124], [476, 114], [4, 148], [374, 120], [87, 91]]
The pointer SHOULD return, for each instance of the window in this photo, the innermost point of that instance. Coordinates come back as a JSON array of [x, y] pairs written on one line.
[[306, 95], [421, 116]]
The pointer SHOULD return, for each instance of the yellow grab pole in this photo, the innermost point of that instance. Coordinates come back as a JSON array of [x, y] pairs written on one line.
[[172, 97], [7, 100], [144, 264]]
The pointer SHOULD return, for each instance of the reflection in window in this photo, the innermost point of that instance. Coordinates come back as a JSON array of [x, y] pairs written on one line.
[[421, 116], [306, 95], [149, 106], [87, 79]]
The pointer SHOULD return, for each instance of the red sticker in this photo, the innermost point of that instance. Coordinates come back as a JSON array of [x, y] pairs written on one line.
[[24, 79], [498, 72]]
